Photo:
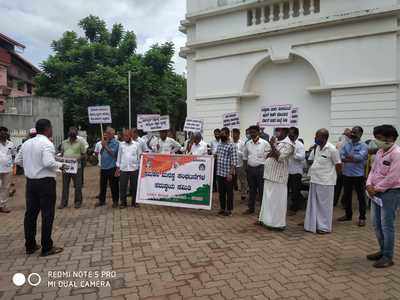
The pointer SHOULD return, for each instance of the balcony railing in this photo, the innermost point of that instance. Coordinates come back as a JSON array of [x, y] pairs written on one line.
[[282, 10]]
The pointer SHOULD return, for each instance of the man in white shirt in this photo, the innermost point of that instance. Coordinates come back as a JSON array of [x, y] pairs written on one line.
[[128, 162], [213, 147], [198, 147], [323, 172], [37, 156], [296, 167], [254, 156], [141, 141], [240, 176], [165, 144], [7, 150], [276, 174]]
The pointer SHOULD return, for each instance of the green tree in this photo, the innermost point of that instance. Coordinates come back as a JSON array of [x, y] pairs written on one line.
[[93, 70]]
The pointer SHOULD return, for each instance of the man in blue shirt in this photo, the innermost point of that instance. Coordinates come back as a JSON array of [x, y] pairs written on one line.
[[354, 156], [109, 154]]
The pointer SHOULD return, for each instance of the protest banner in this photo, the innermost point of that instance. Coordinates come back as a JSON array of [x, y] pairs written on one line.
[[142, 118], [156, 124], [176, 180], [71, 164], [276, 116], [231, 120], [99, 114], [193, 125]]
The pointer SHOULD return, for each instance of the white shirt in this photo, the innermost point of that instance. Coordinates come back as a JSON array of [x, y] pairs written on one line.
[[255, 153], [168, 146], [143, 145], [214, 145], [277, 170], [37, 156], [84, 141], [97, 150], [296, 162], [240, 151], [6, 157], [323, 169], [199, 149], [129, 156]]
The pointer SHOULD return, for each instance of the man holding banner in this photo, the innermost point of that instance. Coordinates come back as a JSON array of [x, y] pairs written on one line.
[[128, 167]]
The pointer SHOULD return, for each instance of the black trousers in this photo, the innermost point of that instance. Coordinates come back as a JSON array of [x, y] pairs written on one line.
[[124, 179], [338, 189], [294, 186], [108, 176], [359, 185], [225, 189], [40, 197], [255, 178]]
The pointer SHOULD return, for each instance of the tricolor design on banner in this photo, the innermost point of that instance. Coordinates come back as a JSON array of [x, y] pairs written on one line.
[[176, 180]]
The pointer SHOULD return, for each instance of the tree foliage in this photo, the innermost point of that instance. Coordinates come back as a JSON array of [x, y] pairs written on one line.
[[93, 70]]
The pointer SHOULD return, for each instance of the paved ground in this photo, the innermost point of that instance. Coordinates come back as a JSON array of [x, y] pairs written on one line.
[[168, 253]]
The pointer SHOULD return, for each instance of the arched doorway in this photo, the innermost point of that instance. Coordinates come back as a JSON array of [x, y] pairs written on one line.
[[287, 83]]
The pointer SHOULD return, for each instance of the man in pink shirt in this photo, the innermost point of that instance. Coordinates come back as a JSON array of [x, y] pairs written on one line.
[[384, 183]]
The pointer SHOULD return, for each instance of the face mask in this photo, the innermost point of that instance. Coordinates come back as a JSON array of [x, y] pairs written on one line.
[[354, 137], [318, 142], [384, 145], [224, 138]]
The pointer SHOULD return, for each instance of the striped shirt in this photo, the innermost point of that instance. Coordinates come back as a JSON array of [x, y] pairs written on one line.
[[277, 170]]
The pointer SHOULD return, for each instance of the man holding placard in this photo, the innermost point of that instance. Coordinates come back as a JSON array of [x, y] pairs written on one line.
[[72, 148], [109, 154]]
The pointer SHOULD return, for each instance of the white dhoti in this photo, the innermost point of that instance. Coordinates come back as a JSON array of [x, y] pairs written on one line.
[[319, 208], [274, 205]]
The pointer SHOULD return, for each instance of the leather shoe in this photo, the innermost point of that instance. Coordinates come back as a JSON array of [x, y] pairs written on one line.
[[384, 262], [344, 219], [5, 210], [31, 251], [375, 256], [52, 251]]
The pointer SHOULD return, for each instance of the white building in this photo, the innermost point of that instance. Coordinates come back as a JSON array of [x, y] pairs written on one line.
[[337, 60]]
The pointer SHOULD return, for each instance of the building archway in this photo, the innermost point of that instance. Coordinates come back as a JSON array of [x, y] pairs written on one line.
[[287, 83]]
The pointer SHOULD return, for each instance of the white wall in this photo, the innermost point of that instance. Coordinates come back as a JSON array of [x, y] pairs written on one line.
[[286, 84]]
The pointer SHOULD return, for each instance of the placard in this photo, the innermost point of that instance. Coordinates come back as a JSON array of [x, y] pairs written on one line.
[[193, 125], [176, 180], [143, 117], [156, 124], [231, 120], [276, 116], [294, 120], [71, 164], [99, 114]]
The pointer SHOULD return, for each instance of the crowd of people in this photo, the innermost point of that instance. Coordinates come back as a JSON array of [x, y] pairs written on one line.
[[273, 170]]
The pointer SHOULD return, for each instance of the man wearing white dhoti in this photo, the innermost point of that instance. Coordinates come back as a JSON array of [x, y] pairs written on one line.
[[276, 173], [323, 173]]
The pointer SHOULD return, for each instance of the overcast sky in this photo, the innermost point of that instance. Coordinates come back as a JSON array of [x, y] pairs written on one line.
[[36, 23]]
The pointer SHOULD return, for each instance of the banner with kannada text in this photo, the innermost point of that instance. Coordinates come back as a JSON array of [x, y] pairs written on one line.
[[176, 180]]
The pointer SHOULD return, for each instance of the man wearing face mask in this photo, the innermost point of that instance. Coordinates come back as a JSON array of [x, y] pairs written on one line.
[[384, 183], [323, 172], [354, 156], [74, 148]]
